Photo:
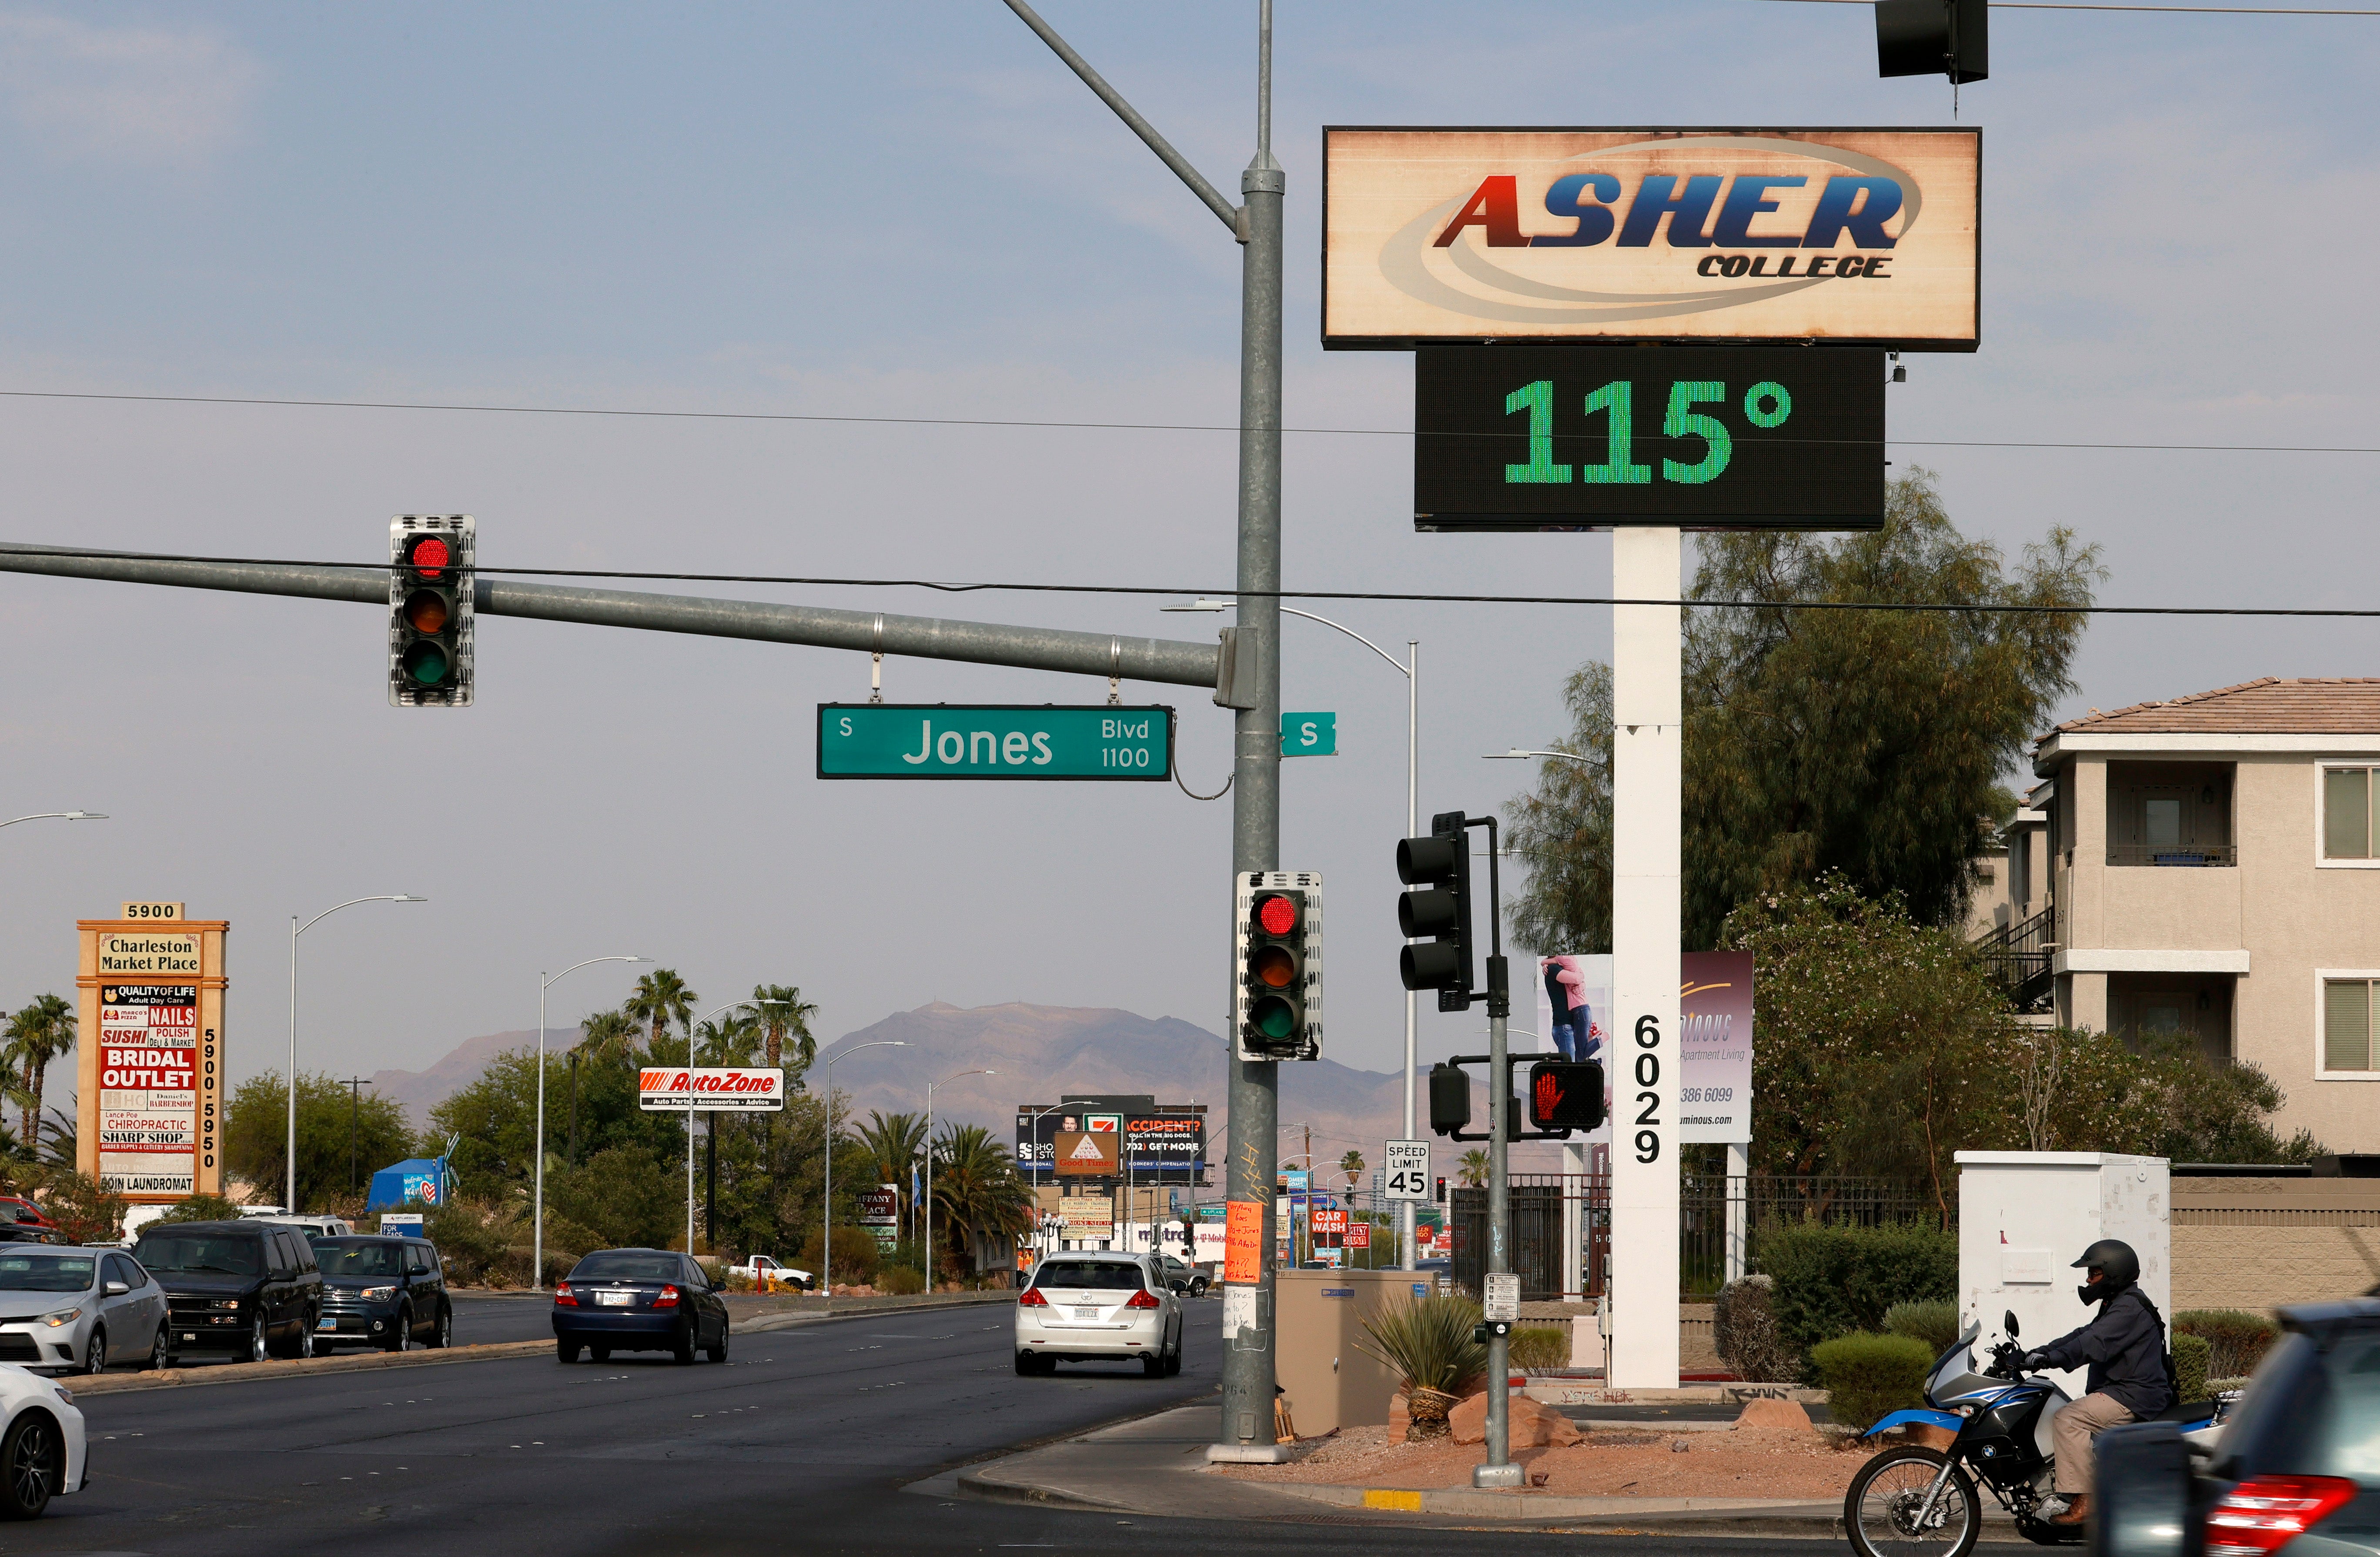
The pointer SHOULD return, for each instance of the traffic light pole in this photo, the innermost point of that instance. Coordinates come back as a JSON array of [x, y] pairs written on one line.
[[1499, 1470]]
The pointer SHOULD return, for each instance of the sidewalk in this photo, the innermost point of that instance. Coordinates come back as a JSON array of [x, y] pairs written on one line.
[[1157, 1466]]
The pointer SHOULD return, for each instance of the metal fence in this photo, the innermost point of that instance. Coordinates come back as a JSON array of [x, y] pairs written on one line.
[[1722, 1221]]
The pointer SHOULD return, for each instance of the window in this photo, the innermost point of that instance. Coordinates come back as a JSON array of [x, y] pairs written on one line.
[[416, 1260], [2347, 830], [120, 1270], [2347, 1024]]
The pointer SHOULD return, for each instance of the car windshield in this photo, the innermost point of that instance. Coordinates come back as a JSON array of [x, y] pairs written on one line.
[[2314, 1411], [201, 1254], [337, 1257], [1092, 1275], [616, 1266], [45, 1273]]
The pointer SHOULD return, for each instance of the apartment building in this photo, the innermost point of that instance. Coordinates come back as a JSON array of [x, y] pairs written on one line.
[[2210, 867]]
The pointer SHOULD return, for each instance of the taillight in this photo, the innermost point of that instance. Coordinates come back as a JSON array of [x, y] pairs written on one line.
[[668, 1299], [2265, 1514], [1143, 1300], [563, 1295], [1031, 1298]]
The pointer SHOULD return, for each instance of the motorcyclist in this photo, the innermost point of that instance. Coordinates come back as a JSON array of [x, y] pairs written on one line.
[[2125, 1346]]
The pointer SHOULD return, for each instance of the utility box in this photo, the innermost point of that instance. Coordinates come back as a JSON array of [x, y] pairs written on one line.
[[1317, 1318], [2025, 1216]]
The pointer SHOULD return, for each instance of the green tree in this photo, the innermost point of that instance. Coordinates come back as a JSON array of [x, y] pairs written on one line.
[[1471, 1169], [84, 1208], [1865, 742], [1351, 1164], [43, 1031], [623, 1194], [786, 1015], [976, 1191], [496, 1118], [199, 1208], [605, 1037], [661, 999], [893, 1142], [256, 1130]]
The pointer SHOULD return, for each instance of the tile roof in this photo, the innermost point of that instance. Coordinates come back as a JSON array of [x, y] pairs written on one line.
[[2267, 706]]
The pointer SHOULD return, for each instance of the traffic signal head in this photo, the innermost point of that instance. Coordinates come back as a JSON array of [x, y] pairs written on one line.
[[1450, 1100], [1278, 965], [1437, 918], [1442, 1189], [429, 588], [1565, 1095], [1933, 37]]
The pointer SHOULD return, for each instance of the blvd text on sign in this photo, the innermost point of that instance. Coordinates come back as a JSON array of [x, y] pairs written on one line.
[[994, 741]]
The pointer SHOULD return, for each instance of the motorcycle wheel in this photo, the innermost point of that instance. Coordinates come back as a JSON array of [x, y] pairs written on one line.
[[1880, 1510]]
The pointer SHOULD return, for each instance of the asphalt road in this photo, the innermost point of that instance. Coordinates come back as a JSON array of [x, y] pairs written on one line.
[[802, 1442]]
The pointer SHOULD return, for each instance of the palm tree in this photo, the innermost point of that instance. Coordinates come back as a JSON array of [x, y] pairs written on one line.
[[893, 1142], [660, 998], [38, 1034], [733, 1038], [1352, 1166], [1472, 1170], [785, 1014], [976, 1187]]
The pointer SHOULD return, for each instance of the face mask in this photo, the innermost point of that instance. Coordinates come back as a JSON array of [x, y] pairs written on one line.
[[2087, 1294]]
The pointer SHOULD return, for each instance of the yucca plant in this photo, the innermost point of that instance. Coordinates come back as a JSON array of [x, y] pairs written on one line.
[[1428, 1343]]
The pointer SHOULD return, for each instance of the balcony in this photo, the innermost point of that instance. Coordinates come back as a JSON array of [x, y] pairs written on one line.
[[2172, 854]]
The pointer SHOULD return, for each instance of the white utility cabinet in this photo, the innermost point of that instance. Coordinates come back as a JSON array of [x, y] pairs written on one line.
[[2023, 1218]]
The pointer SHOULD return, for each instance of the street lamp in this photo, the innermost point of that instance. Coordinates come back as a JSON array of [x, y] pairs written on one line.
[[1516, 751], [536, 1240], [289, 1202], [1413, 824], [826, 1211], [56, 816], [1033, 1138], [929, 1163], [689, 1112]]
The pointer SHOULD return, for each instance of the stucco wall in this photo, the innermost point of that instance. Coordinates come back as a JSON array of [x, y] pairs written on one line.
[[2249, 1266]]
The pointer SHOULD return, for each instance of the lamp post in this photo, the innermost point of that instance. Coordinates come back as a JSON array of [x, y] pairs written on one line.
[[56, 816], [537, 1239], [826, 1211], [1516, 751], [289, 1202], [1410, 671], [1033, 1138], [930, 1162], [707, 1015]]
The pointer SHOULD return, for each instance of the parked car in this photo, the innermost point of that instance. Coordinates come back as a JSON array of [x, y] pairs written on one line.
[[1099, 1307], [2291, 1465], [385, 1292], [312, 1226], [1184, 1277], [42, 1451], [638, 1300], [251, 1288], [28, 1214], [90, 1306], [774, 1270]]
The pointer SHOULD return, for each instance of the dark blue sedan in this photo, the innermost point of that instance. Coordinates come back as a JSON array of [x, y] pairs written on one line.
[[638, 1300]]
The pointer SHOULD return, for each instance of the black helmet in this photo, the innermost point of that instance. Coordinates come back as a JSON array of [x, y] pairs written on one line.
[[2115, 1264]]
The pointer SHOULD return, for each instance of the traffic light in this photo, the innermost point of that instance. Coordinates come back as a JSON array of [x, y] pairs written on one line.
[[1442, 1189], [1277, 956], [429, 587], [1933, 37], [1441, 866], [1565, 1095], [1450, 1100]]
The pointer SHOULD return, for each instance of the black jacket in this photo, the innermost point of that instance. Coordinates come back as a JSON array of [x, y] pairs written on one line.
[[2125, 1346]]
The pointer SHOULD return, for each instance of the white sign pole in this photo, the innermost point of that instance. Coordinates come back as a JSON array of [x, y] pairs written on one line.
[[1647, 776]]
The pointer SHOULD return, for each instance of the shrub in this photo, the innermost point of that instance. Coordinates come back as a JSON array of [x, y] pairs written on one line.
[[2190, 1355], [86, 1211], [1866, 1376], [1744, 1322], [857, 1258], [1937, 1324], [1834, 1281], [2237, 1338], [900, 1279], [1426, 1342], [1539, 1348], [198, 1208]]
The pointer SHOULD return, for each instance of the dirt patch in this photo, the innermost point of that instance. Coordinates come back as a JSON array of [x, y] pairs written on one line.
[[1742, 1462]]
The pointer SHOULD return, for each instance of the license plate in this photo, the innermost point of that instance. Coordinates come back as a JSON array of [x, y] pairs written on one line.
[[328, 1325], [613, 1299], [1087, 1313]]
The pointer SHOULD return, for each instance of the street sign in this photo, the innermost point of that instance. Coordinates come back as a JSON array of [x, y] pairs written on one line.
[[994, 741], [1359, 1235], [1309, 734], [1535, 438], [1407, 1162], [1503, 1299], [673, 1090]]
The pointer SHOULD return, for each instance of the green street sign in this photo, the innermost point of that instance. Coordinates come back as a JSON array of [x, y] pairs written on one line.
[[994, 741], [1309, 734]]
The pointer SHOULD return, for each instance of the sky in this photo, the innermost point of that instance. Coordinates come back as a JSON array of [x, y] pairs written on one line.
[[916, 211]]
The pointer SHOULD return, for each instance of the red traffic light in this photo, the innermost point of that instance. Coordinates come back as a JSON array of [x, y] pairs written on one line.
[[429, 556], [1276, 915]]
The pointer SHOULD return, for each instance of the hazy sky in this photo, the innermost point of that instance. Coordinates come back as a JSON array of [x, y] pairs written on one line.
[[915, 210]]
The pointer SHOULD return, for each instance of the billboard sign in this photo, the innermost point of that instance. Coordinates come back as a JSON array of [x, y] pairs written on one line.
[[1151, 1145], [879, 1212], [1087, 1216], [147, 1087], [1082, 1153], [674, 1088], [1841, 236], [1714, 1008]]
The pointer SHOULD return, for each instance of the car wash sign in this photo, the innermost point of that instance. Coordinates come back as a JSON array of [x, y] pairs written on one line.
[[1867, 237]]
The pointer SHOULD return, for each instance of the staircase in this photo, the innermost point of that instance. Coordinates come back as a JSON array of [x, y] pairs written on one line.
[[2017, 956]]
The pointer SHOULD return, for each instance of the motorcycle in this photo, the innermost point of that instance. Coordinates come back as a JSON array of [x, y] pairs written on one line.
[[1914, 1501]]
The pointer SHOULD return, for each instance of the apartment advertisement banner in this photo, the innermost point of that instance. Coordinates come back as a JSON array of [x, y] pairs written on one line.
[[1846, 237], [1715, 1006], [147, 1087]]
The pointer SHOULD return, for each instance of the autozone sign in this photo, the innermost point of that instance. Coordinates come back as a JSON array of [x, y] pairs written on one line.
[[672, 1089]]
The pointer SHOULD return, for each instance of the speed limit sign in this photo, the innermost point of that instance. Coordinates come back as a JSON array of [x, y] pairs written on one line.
[[1407, 1164]]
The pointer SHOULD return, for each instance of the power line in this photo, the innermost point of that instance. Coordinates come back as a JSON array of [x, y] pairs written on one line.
[[1105, 426], [951, 587], [2197, 10]]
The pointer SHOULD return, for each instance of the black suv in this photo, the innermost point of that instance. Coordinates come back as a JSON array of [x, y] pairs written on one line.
[[2295, 1465], [249, 1288], [386, 1292]]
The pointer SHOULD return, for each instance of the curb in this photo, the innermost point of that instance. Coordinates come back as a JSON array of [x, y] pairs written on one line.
[[974, 1483], [1800, 1519], [364, 1362]]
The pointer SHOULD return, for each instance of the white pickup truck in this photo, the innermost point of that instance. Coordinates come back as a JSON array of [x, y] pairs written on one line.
[[766, 1271]]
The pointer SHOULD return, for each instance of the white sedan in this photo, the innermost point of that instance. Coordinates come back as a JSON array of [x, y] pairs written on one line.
[[42, 1453], [1099, 1307]]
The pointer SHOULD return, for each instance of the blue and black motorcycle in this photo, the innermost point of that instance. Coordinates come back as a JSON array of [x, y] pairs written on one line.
[[1915, 1501]]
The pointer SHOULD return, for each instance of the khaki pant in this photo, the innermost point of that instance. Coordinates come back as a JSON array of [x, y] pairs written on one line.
[[2070, 1432]]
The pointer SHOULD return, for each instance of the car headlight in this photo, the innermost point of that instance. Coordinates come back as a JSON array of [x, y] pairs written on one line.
[[63, 1393], [378, 1293], [63, 1317]]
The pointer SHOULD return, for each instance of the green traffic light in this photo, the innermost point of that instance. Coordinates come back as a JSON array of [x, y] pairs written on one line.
[[426, 662], [1273, 1017]]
